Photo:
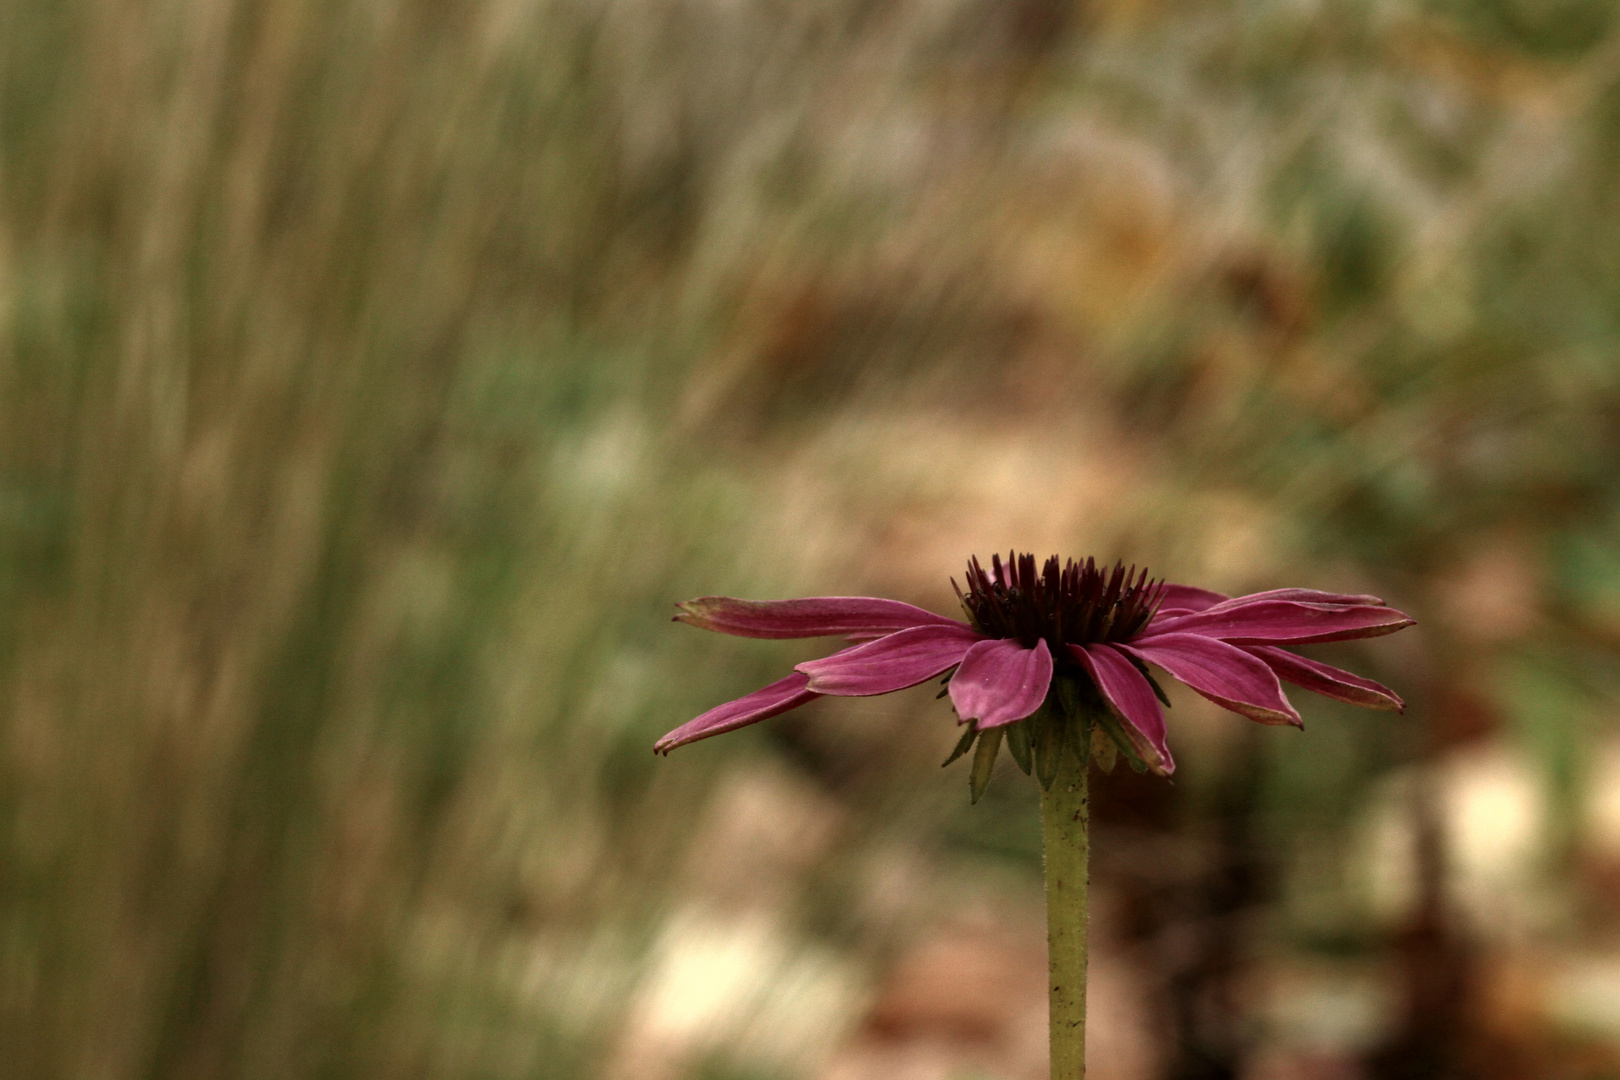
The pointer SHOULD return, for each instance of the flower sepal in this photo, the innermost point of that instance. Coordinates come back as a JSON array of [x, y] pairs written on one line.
[[1047, 739], [984, 762], [1018, 745], [964, 744], [1062, 724], [984, 758], [1110, 742], [1104, 751], [1067, 721], [1098, 729], [1036, 742]]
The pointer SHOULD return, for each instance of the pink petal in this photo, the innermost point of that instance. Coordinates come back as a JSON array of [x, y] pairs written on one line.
[[1283, 622], [1225, 674], [820, 616], [901, 659], [1128, 691], [1000, 681], [1327, 680], [1306, 596], [779, 697], [1189, 598]]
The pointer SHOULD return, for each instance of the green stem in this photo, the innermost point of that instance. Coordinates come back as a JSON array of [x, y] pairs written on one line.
[[1065, 825]]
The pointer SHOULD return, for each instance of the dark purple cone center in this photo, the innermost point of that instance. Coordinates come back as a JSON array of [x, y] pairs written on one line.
[[1068, 604]]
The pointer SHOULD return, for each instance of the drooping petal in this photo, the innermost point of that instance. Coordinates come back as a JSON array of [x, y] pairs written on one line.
[[818, 616], [1127, 690], [893, 662], [1189, 598], [1283, 622], [1327, 680], [1305, 596], [779, 697], [1225, 674], [1000, 681]]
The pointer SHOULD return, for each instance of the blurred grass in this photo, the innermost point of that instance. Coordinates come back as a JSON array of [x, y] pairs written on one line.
[[373, 375], [299, 310]]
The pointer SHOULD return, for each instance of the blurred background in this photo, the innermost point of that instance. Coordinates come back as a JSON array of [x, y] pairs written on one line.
[[374, 374]]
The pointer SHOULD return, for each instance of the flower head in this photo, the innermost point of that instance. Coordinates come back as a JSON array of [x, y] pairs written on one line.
[[1046, 653]]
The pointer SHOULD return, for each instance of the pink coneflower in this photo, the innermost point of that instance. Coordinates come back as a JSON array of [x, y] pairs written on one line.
[[1070, 630], [1055, 662]]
